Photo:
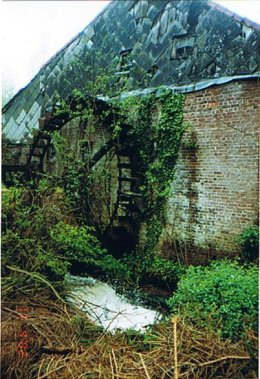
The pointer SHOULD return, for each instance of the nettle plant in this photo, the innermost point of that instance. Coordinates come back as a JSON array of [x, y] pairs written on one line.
[[222, 297]]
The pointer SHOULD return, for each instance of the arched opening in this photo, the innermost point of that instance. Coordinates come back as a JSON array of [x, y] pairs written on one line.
[[121, 239]]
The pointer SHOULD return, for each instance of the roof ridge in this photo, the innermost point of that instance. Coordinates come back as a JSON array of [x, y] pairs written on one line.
[[112, 5], [236, 16]]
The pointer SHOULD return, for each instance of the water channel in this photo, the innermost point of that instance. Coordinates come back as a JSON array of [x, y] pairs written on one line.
[[106, 307]]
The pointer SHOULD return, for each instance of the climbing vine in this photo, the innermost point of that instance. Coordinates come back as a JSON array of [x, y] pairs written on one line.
[[152, 127], [149, 126], [155, 127]]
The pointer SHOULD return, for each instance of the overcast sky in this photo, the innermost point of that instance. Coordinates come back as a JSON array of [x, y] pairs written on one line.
[[32, 31]]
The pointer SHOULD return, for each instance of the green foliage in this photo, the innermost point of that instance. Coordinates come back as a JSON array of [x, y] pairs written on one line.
[[156, 141], [51, 265], [85, 78], [152, 126], [11, 203], [222, 296], [38, 235], [76, 242], [71, 170], [115, 269], [165, 270], [28, 213], [143, 266], [79, 244], [249, 243], [190, 142]]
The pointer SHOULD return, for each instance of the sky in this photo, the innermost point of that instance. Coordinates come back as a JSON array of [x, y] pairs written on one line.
[[33, 31]]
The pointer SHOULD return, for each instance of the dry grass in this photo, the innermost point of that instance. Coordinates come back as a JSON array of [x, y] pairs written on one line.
[[64, 344]]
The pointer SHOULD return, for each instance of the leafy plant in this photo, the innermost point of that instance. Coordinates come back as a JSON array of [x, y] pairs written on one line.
[[154, 130], [249, 243], [78, 244], [28, 213], [222, 296], [151, 126], [143, 266], [166, 270]]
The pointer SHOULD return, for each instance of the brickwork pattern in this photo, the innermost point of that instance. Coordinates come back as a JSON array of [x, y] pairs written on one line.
[[215, 191]]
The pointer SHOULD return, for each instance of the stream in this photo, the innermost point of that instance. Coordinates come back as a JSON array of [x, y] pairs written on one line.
[[107, 308]]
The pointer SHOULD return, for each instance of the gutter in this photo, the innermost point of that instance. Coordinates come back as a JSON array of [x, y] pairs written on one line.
[[187, 88]]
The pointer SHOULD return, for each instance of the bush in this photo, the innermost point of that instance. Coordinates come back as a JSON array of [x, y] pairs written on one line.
[[37, 235], [165, 270], [51, 265], [222, 296], [28, 214], [160, 271], [114, 269], [78, 244], [249, 242]]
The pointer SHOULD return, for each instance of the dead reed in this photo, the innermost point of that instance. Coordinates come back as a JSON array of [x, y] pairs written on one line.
[[60, 342]]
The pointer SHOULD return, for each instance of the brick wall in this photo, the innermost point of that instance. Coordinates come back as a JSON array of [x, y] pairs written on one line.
[[215, 191]]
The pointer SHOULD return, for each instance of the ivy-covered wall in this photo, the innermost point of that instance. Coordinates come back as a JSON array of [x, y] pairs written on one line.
[[195, 158]]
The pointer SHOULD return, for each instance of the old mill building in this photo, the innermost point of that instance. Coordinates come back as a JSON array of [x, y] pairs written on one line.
[[195, 48]]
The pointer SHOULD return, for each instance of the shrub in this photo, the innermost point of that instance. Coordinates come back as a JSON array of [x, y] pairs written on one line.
[[79, 244], [159, 270], [51, 265], [28, 213], [114, 269], [37, 235], [76, 242], [222, 296], [165, 270], [249, 242]]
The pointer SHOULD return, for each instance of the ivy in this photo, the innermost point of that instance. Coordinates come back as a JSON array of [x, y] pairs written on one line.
[[155, 127], [150, 126]]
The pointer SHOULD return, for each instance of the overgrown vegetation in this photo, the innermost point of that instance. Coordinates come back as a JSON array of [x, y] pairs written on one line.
[[53, 226], [155, 125], [40, 234], [61, 342], [222, 297], [150, 126]]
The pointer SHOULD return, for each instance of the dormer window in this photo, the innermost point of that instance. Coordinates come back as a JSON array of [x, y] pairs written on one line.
[[182, 47]]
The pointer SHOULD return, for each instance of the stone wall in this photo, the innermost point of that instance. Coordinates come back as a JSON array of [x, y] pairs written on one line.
[[215, 192]]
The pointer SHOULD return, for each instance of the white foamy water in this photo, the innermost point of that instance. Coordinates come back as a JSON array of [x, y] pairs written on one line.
[[106, 307]]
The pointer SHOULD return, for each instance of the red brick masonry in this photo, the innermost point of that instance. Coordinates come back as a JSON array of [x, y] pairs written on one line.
[[215, 191]]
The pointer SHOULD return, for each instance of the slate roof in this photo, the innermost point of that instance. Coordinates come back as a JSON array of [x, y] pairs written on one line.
[[185, 44]]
